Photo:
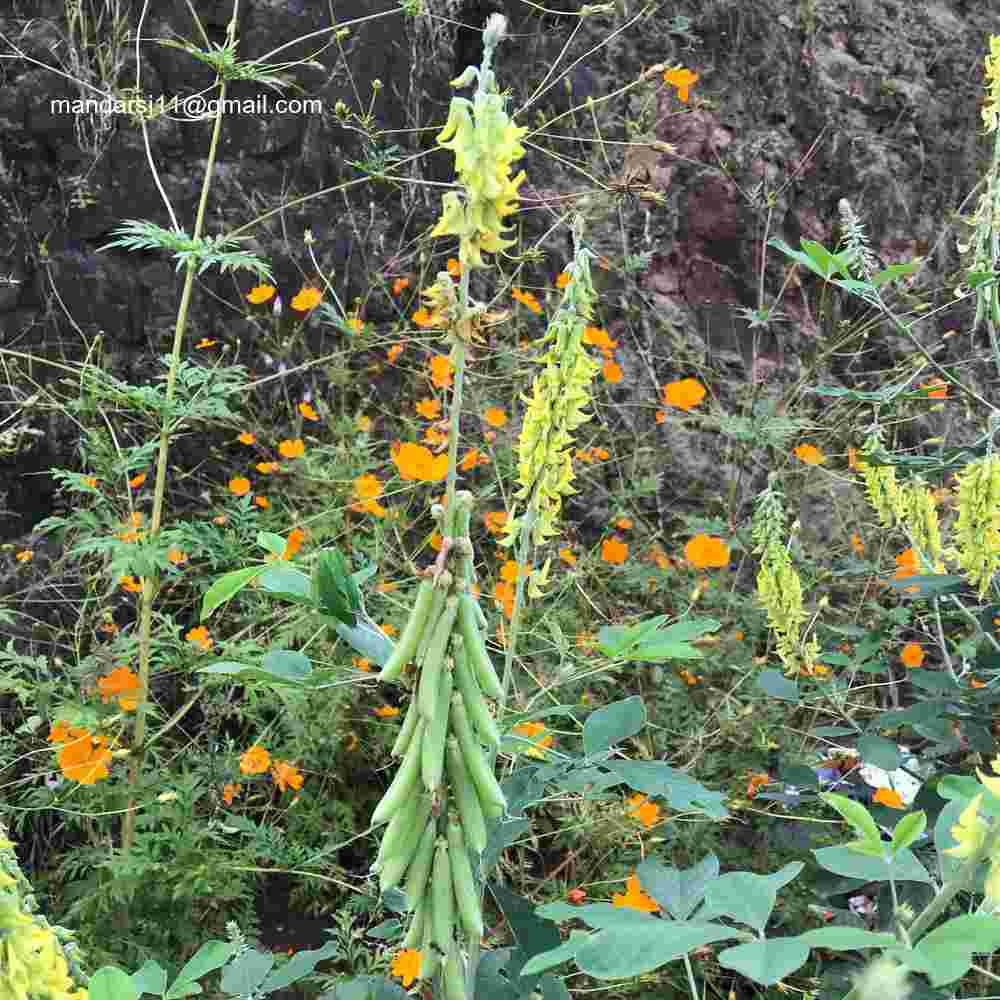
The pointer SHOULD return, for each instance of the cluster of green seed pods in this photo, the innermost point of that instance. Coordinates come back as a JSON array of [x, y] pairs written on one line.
[[445, 790]]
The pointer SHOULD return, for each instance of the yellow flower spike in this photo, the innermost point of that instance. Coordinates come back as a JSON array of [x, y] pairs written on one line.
[[969, 831], [556, 406], [977, 530]]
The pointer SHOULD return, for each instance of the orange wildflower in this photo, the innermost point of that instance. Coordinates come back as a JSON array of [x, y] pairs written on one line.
[[120, 684], [495, 520], [393, 353], [294, 448], [130, 584], [286, 775], [424, 318], [239, 486], [261, 294], [612, 372], [567, 556], [889, 797], [682, 79], [307, 411], [472, 459], [199, 635], [177, 557], [912, 655], [399, 284], [441, 371], [527, 299], [229, 792], [266, 468], [387, 712], [294, 542], [247, 438], [598, 337], [634, 898], [262, 502], [614, 551], [429, 409], [205, 342], [809, 454], [25, 556], [85, 759], [417, 463], [90, 481], [906, 564], [857, 545], [136, 481], [562, 279], [406, 965], [706, 551], [256, 760], [684, 394], [533, 731], [495, 417], [307, 299], [648, 813], [454, 267], [756, 782]]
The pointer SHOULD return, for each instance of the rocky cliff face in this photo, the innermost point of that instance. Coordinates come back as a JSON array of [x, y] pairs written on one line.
[[797, 105]]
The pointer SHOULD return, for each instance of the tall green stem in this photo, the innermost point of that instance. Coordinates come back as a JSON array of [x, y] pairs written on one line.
[[150, 584]]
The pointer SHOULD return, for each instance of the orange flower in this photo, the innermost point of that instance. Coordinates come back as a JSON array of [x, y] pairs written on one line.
[[533, 731], [435, 437], [389, 630], [684, 394], [247, 438], [239, 486], [205, 342], [757, 781], [120, 684], [567, 556], [495, 417], [293, 543], [177, 557], [266, 468], [527, 299], [598, 337], [362, 664], [441, 371], [59, 732], [625, 523], [229, 792], [889, 797], [307, 411], [25, 556], [504, 595], [706, 551], [509, 571], [262, 502], [612, 372], [495, 520], [857, 545], [130, 584], [417, 463], [399, 284], [429, 409], [199, 635], [286, 775], [634, 898], [472, 459], [912, 655], [437, 541], [387, 712], [683, 79], [563, 279], [393, 353], [256, 760], [424, 318], [136, 481], [307, 299], [294, 448], [648, 813], [614, 551], [809, 454], [938, 388], [90, 481], [689, 678], [454, 267], [406, 965], [906, 564], [86, 758], [260, 294]]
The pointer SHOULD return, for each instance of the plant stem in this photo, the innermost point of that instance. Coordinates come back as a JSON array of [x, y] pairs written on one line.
[[149, 585]]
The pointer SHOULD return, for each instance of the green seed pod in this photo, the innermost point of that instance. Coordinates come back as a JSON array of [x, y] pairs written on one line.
[[404, 784], [394, 865], [475, 648], [407, 730], [401, 826], [466, 798], [430, 956], [432, 749], [491, 798], [403, 651], [433, 662], [470, 911], [443, 898], [475, 703], [438, 598], [453, 976], [420, 868], [415, 932]]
